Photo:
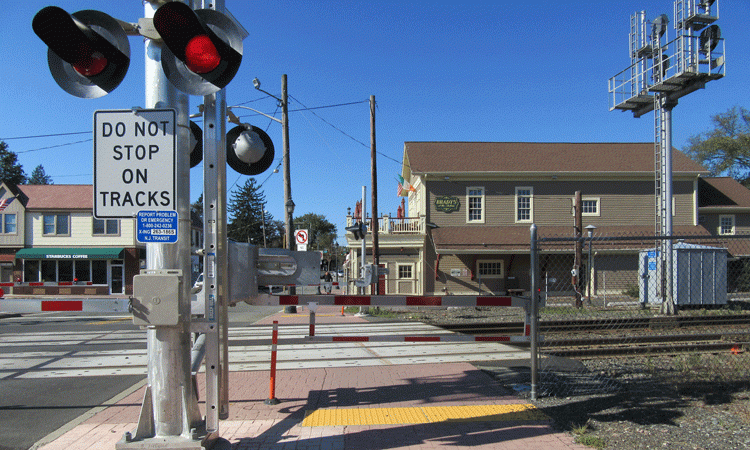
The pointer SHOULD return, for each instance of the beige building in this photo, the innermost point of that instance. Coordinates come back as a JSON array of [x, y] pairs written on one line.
[[57, 247], [466, 229]]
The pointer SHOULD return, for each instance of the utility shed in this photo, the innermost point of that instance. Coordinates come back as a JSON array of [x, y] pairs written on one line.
[[699, 275]]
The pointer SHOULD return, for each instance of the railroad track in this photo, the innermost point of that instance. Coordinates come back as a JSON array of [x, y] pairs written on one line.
[[573, 339], [549, 326], [646, 345]]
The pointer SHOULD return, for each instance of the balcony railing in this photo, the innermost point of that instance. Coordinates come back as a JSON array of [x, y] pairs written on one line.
[[390, 225]]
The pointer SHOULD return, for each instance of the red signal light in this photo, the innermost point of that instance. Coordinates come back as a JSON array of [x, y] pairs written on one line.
[[195, 58], [89, 43], [90, 63], [201, 55]]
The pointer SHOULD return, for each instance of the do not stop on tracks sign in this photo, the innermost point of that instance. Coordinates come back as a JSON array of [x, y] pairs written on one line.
[[134, 152]]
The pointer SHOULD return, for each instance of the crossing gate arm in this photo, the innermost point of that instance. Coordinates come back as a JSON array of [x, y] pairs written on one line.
[[390, 300], [419, 338], [64, 305]]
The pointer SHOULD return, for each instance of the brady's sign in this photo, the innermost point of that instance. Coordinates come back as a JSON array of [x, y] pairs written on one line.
[[447, 204], [134, 152]]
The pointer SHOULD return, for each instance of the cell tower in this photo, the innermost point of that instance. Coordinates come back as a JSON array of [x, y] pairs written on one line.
[[662, 71]]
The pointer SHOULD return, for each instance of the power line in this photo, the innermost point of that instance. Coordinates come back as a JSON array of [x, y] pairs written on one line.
[[43, 135], [54, 146]]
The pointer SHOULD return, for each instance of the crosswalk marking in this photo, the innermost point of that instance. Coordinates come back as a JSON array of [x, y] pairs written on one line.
[[249, 350]]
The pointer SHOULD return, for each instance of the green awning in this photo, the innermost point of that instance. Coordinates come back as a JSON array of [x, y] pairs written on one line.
[[70, 253]]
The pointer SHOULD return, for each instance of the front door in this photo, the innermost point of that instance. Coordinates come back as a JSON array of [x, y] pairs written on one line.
[[117, 277]]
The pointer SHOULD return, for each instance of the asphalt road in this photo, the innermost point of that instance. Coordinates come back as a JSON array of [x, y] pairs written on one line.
[[35, 402], [45, 360]]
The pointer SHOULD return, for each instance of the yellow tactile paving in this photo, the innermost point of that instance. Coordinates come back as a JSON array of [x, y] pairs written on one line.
[[488, 413], [422, 414]]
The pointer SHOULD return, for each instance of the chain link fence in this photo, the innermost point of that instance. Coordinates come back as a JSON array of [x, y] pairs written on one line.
[[612, 311]]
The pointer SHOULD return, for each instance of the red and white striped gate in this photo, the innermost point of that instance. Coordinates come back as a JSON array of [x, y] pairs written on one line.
[[314, 301]]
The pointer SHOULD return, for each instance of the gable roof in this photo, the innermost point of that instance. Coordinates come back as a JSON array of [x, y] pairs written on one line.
[[542, 157], [59, 196], [722, 192]]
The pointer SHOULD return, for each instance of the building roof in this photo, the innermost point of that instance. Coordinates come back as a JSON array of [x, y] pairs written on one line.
[[543, 157], [722, 192], [512, 239], [59, 196]]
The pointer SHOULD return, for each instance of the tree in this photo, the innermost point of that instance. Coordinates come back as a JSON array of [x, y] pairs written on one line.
[[725, 150], [246, 210], [196, 208], [321, 232], [39, 176], [10, 171]]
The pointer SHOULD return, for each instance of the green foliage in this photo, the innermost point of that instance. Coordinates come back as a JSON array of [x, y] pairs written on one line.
[[725, 150], [322, 233], [196, 208], [245, 209], [39, 176], [583, 437], [10, 171], [632, 291]]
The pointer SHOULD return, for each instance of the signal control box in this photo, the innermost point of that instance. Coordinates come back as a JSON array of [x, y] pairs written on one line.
[[156, 295]]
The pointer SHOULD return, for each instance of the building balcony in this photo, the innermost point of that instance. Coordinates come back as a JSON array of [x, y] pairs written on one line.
[[392, 231]]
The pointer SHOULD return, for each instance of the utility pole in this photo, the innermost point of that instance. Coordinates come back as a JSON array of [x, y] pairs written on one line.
[[374, 178], [578, 250], [288, 203]]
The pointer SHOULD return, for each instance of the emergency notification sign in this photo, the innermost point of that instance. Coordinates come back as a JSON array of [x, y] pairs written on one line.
[[134, 152]]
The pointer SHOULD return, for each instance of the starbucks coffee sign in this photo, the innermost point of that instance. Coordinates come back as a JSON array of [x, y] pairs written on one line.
[[447, 204]]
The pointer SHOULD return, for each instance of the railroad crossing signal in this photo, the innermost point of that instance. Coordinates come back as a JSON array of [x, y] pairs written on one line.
[[203, 48], [358, 229], [89, 53]]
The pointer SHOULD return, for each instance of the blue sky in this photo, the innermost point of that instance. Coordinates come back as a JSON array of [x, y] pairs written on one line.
[[440, 71]]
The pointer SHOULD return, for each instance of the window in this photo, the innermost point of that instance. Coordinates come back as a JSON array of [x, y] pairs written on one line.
[[405, 271], [590, 206], [524, 204], [64, 270], [83, 270], [726, 224], [31, 271], [56, 224], [490, 269], [475, 200], [99, 271], [9, 223], [106, 226]]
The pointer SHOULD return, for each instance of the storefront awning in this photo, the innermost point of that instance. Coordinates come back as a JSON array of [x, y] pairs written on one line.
[[70, 253]]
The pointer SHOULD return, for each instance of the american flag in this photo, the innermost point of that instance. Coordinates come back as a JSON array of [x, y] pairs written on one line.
[[4, 204]]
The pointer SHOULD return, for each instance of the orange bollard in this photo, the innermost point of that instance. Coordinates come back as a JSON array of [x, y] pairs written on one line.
[[272, 400]]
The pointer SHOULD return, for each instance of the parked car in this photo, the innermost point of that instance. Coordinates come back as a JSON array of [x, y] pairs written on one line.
[[198, 285]]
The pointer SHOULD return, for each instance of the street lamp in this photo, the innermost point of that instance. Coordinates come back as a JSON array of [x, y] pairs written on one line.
[[289, 205]]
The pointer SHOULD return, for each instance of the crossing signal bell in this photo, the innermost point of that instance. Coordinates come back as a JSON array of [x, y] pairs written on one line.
[[249, 150], [89, 53], [203, 48]]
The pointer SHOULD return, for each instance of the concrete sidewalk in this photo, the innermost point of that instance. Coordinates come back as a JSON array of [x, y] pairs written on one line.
[[385, 406]]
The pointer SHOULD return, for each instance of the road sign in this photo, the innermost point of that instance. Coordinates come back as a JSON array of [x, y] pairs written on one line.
[[301, 236], [134, 152], [157, 226]]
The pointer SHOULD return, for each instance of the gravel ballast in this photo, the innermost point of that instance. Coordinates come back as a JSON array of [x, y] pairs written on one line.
[[639, 402]]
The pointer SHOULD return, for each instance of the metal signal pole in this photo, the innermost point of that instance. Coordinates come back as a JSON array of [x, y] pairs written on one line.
[[374, 192]]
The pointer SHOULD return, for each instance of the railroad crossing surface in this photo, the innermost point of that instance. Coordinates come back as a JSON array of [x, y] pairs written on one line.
[[351, 395]]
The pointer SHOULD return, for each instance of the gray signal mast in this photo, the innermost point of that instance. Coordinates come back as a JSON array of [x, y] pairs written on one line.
[[662, 71]]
